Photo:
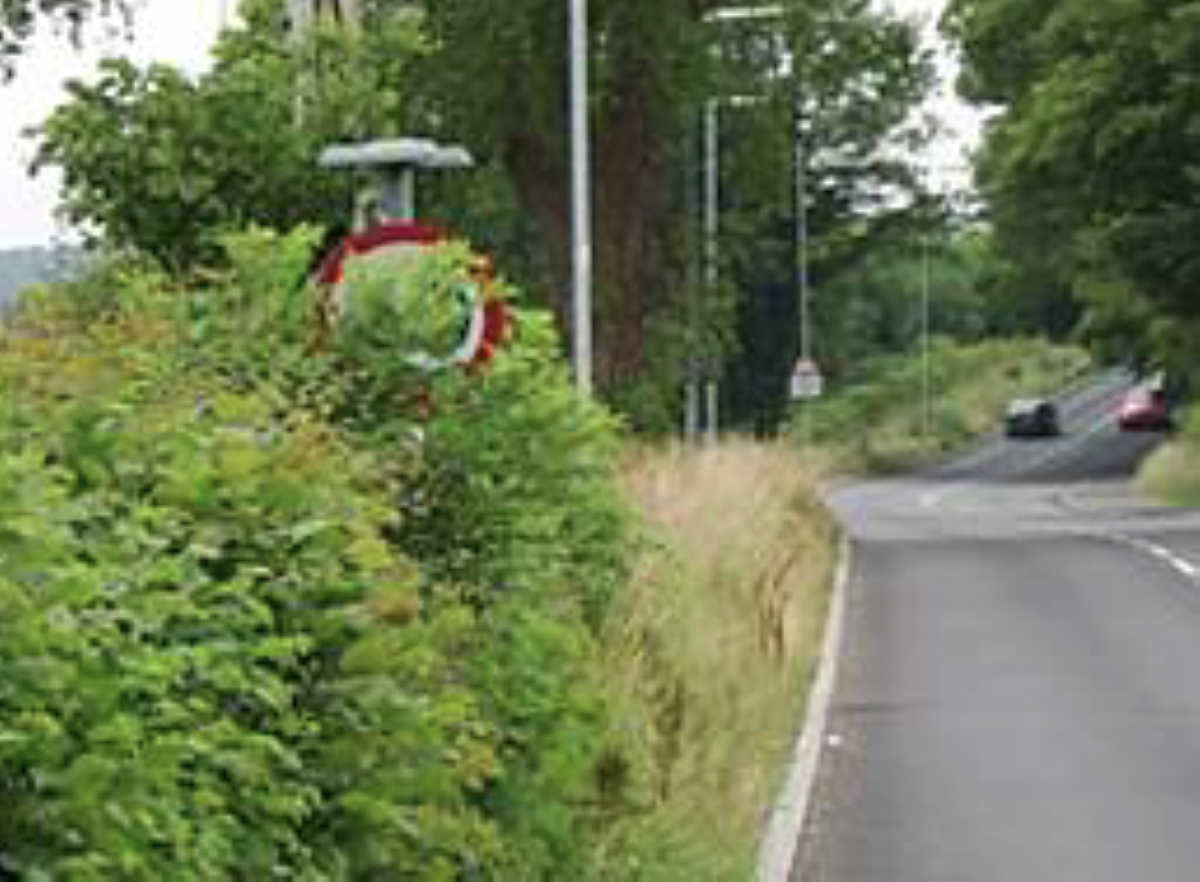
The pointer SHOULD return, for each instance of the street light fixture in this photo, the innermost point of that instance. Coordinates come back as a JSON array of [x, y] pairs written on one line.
[[812, 378], [745, 13]]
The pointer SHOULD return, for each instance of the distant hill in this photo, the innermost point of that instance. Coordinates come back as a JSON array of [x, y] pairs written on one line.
[[23, 267]]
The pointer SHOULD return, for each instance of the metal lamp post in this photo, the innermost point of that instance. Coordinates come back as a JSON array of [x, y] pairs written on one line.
[[711, 225], [712, 259], [712, 256], [925, 378], [581, 225]]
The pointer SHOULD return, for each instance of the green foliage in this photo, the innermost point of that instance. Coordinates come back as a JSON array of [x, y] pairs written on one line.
[[242, 635], [407, 310], [869, 299], [514, 434], [170, 625], [1090, 172], [165, 165], [854, 229]]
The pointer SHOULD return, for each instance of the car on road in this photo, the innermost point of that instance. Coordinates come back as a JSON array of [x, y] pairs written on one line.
[[1032, 418], [1144, 409]]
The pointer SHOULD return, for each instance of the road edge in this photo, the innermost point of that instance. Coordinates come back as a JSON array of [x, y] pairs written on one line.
[[777, 851]]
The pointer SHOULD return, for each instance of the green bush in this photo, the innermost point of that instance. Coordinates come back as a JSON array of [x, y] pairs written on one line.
[[261, 616]]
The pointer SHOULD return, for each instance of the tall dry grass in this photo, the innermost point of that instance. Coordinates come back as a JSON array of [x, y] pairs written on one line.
[[711, 650]]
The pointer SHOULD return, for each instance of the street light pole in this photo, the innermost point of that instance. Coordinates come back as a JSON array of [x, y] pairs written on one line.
[[925, 383], [711, 222], [803, 281], [712, 232], [802, 271], [712, 264], [581, 227], [704, 279]]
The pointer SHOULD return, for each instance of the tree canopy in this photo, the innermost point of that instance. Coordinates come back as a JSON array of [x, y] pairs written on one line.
[[1091, 169]]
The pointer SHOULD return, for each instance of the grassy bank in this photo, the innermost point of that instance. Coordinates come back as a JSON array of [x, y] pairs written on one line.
[[710, 651], [1172, 473], [879, 424]]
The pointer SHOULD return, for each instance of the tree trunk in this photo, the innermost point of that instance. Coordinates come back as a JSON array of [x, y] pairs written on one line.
[[633, 122]]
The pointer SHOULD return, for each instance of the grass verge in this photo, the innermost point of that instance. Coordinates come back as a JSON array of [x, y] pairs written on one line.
[[710, 652], [1172, 473]]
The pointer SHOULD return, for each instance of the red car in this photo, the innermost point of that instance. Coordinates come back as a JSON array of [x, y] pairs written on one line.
[[1144, 408]]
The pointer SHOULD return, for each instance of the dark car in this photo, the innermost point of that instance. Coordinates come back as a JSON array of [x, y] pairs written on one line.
[[1031, 418], [1144, 409]]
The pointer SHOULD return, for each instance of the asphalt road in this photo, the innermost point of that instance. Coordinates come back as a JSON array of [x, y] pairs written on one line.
[[1019, 692]]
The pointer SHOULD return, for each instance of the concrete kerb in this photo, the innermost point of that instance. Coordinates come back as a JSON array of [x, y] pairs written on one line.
[[785, 825]]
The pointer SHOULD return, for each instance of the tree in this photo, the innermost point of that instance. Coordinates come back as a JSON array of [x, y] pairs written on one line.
[[854, 83], [501, 80], [1091, 170]]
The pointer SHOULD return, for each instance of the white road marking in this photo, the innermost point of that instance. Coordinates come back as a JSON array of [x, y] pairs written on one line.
[[930, 499], [1177, 562]]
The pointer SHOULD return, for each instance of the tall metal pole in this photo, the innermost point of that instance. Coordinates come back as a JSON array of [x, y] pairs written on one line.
[[802, 271], [581, 227], [712, 194], [712, 230], [800, 160], [695, 281], [925, 286]]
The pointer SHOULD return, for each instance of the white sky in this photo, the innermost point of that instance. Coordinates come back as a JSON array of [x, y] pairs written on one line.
[[948, 159], [181, 32]]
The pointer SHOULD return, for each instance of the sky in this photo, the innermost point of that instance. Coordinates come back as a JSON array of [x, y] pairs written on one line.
[[947, 159], [175, 31], [181, 32]]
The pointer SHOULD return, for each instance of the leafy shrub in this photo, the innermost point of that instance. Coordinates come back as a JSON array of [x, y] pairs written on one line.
[[257, 625], [406, 308]]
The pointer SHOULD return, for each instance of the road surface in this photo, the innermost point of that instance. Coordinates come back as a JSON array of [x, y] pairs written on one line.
[[1019, 693]]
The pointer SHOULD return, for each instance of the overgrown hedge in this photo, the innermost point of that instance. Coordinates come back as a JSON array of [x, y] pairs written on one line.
[[269, 612]]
